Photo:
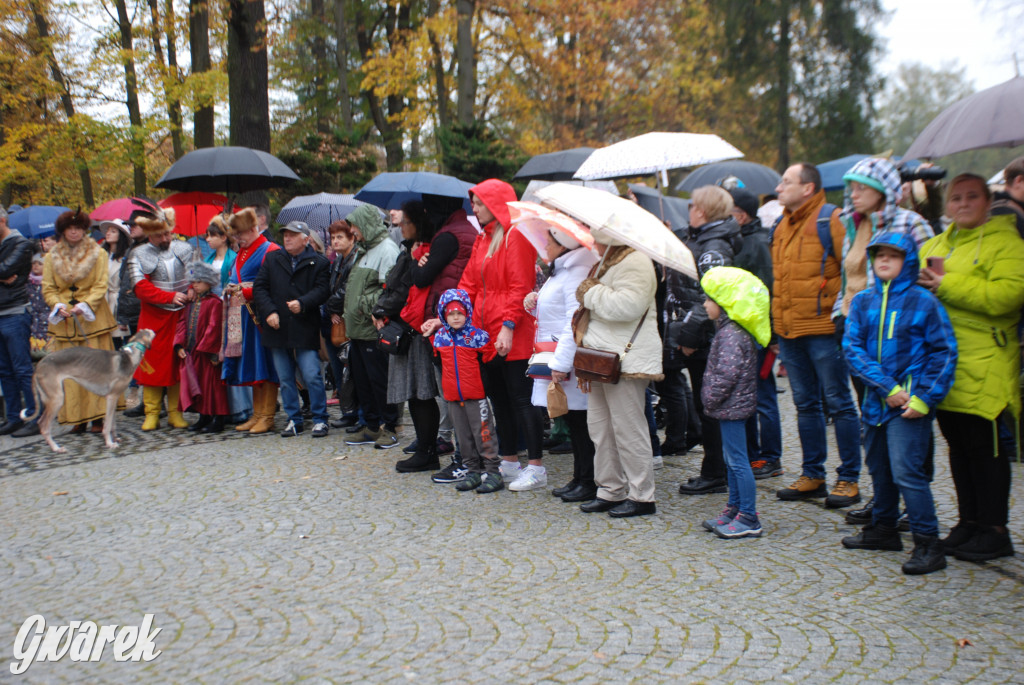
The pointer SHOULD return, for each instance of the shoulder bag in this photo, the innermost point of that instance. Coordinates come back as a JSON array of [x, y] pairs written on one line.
[[599, 366]]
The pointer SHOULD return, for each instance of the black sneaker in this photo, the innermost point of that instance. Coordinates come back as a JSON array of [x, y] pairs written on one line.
[[344, 421], [766, 468], [291, 430], [358, 428], [411, 447], [30, 428], [452, 473]]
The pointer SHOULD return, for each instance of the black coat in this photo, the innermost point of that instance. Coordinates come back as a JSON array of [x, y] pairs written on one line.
[[276, 284], [686, 323], [756, 255], [15, 260]]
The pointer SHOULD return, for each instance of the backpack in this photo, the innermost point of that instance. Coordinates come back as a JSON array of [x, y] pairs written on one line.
[[824, 236]]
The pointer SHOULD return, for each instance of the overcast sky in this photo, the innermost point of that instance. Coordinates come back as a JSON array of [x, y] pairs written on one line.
[[970, 33]]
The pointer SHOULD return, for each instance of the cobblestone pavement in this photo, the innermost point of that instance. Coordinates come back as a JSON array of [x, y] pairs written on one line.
[[270, 560]]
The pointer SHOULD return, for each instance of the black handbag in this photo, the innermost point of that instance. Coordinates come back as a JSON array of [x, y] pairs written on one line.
[[394, 338]]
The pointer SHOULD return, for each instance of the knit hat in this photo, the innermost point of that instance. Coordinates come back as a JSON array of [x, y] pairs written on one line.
[[745, 200], [201, 272], [455, 306]]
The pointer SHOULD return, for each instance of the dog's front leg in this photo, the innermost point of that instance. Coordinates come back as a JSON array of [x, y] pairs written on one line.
[[108, 422]]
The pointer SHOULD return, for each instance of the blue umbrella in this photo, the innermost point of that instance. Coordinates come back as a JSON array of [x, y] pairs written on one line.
[[318, 211], [390, 189], [832, 172], [36, 221]]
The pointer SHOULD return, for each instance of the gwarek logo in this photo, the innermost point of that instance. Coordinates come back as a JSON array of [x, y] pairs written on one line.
[[82, 641]]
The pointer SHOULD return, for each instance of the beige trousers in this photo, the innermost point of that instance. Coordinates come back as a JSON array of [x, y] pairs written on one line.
[[623, 465]]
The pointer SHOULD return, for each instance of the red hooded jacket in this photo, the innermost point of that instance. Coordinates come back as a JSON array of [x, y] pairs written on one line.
[[498, 284]]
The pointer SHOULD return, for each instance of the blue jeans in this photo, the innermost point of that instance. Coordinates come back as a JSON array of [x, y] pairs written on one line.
[[16, 364], [764, 429], [896, 455], [742, 492], [307, 362], [815, 365]]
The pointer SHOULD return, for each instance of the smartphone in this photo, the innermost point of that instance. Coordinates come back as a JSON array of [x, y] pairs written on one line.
[[937, 264]]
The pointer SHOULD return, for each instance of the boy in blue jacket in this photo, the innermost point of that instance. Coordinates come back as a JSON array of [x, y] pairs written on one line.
[[900, 343]]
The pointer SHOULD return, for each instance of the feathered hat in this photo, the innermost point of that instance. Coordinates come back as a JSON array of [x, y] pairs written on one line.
[[242, 220], [69, 219], [204, 273], [160, 221]]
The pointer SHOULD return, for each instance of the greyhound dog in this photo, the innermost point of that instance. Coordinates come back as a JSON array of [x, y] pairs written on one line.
[[99, 371]]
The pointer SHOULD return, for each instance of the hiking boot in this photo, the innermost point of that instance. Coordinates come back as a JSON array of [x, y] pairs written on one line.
[[471, 482], [927, 557], [959, 535], [740, 527], [766, 468], [843, 494], [386, 440], [364, 437], [453, 473], [727, 515], [986, 544], [492, 482], [510, 470], [531, 478], [803, 488], [421, 461], [875, 536], [903, 522], [862, 516]]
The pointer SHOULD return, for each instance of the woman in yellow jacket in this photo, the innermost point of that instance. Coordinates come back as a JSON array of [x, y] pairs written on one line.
[[75, 290]]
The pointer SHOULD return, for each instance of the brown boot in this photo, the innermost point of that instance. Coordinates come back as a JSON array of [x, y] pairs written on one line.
[[253, 418], [266, 408]]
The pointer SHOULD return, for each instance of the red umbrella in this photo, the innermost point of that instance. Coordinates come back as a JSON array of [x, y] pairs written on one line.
[[121, 208], [194, 210]]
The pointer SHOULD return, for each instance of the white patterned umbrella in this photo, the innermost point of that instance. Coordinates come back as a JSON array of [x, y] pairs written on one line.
[[654, 152], [623, 220]]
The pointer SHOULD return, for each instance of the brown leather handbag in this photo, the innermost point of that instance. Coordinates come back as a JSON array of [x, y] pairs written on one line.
[[599, 366], [338, 334]]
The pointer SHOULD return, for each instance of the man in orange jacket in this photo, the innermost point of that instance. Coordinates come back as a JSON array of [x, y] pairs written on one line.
[[808, 277]]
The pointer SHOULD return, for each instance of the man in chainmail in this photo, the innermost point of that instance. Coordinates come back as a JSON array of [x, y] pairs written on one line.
[[158, 274]]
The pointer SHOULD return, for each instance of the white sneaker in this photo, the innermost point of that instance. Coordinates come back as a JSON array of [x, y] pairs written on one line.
[[532, 477], [510, 470], [659, 462]]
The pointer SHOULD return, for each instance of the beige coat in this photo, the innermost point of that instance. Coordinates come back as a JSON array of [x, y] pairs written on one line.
[[623, 290], [86, 270]]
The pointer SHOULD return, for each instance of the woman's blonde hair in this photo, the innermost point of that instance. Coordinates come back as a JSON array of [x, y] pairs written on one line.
[[715, 202], [496, 238]]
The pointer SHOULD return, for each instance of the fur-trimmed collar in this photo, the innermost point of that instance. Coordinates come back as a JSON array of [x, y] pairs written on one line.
[[73, 264], [613, 256]]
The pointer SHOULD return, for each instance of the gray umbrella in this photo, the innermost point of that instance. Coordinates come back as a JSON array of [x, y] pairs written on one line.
[[757, 178], [553, 166], [990, 118]]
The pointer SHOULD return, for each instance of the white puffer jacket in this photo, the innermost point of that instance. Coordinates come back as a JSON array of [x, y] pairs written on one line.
[[623, 292], [556, 303]]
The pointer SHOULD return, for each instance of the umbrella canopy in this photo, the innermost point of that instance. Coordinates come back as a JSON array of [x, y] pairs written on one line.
[[121, 208], [535, 222], [990, 118], [757, 178], [625, 221], [530, 194], [832, 171], [193, 211], [227, 169], [390, 189], [37, 221], [674, 210], [554, 166], [654, 152], [318, 211]]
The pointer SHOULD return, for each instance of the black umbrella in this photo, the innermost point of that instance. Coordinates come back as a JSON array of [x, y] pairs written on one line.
[[230, 170], [757, 178], [553, 166], [673, 210]]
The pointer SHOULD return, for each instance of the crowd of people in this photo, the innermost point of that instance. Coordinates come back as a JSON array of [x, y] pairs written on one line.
[[883, 319]]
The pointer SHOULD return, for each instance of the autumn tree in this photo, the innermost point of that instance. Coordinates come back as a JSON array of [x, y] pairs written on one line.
[[248, 74]]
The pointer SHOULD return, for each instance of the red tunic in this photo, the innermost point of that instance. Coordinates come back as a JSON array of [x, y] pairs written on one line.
[[160, 365], [199, 333]]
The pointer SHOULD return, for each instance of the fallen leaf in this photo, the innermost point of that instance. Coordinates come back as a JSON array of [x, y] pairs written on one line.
[[60, 492], [599, 655], [963, 642], [344, 456], [838, 594], [303, 537]]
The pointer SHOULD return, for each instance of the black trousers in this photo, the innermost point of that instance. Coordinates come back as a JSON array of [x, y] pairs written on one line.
[[674, 405], [426, 419], [369, 367], [582, 447], [509, 389], [713, 465], [981, 474]]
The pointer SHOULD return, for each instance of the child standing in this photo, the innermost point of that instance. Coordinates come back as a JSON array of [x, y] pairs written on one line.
[[198, 343], [900, 343], [737, 301], [39, 331], [460, 345]]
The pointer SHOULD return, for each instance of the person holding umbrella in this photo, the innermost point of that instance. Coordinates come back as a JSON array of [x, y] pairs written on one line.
[[15, 324]]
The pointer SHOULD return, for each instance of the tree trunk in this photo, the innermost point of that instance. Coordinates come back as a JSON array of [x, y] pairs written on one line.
[[168, 69], [341, 31], [437, 61], [43, 29], [137, 147], [247, 75], [465, 52], [782, 74], [316, 11], [199, 48], [391, 135]]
